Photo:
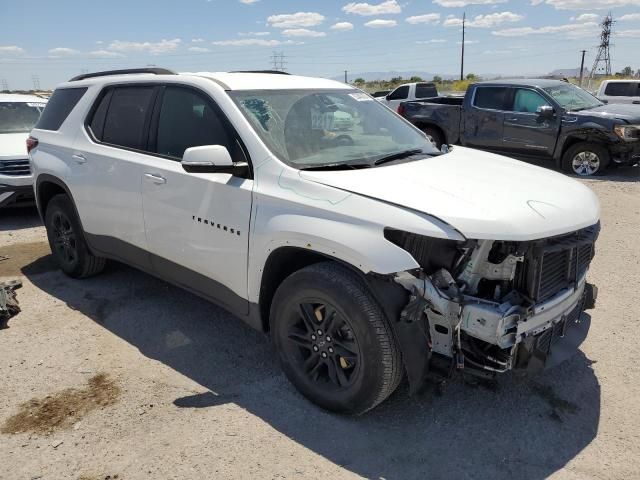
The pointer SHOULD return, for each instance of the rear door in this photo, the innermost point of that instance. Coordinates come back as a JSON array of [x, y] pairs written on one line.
[[525, 131], [197, 224], [484, 117], [108, 161]]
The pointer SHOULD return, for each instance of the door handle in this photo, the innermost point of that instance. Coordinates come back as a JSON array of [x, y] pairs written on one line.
[[79, 158], [157, 179]]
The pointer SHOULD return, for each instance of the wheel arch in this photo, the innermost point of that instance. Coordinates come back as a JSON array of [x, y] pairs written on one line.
[[47, 187], [591, 136], [422, 124]]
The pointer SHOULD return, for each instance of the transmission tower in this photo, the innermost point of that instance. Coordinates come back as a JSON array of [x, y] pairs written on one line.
[[602, 63], [36, 82], [278, 61], [4, 85]]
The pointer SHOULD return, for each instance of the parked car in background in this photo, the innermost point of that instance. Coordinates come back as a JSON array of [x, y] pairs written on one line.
[[531, 118], [18, 115], [619, 91], [409, 92], [367, 256]]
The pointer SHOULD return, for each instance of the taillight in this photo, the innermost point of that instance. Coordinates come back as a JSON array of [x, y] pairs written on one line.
[[401, 109], [31, 143]]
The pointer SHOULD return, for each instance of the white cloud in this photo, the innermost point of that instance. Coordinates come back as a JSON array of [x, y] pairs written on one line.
[[254, 34], [378, 23], [63, 51], [163, 46], [342, 26], [293, 20], [197, 40], [367, 9], [585, 17], [433, 40], [628, 33], [464, 3], [11, 49], [302, 32], [105, 54], [428, 18], [484, 21], [261, 42], [249, 2], [572, 30], [198, 49], [585, 4], [629, 17]]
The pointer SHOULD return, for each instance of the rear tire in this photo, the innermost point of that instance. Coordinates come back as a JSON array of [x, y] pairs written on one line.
[[333, 340], [586, 159], [434, 135], [67, 242]]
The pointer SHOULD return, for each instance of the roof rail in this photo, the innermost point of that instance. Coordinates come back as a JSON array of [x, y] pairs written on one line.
[[155, 71], [273, 72]]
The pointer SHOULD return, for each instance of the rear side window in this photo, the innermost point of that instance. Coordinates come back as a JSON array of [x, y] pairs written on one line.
[[125, 124], [400, 93], [492, 98], [426, 90], [187, 119], [621, 89], [59, 107]]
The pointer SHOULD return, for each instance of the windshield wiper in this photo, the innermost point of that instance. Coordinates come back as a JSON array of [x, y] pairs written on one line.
[[335, 166], [398, 156]]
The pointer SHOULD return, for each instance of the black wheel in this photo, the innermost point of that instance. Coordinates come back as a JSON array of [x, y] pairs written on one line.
[[434, 135], [66, 240], [586, 159], [334, 342]]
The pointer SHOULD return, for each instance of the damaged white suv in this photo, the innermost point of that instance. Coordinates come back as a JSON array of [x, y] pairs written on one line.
[[366, 253]]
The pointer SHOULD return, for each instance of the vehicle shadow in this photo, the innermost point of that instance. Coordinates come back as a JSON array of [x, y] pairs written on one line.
[[521, 428], [17, 218]]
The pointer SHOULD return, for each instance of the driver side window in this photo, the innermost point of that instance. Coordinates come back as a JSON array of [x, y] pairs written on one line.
[[527, 101]]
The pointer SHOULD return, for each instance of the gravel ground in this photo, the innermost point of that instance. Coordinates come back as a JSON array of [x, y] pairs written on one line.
[[123, 376]]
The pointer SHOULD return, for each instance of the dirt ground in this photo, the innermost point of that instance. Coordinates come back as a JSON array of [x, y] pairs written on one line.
[[123, 376]]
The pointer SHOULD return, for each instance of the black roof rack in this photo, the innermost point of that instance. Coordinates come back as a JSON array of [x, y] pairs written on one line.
[[155, 71], [274, 72]]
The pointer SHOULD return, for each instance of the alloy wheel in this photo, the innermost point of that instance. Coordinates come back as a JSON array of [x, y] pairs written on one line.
[[64, 238], [585, 163]]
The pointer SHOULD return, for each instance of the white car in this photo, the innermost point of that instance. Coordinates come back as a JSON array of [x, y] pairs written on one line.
[[18, 115], [408, 92], [366, 255], [619, 91]]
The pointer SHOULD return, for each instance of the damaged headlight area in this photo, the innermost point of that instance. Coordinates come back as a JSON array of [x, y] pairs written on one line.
[[492, 306]]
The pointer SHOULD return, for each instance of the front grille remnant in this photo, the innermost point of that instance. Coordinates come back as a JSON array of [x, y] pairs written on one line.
[[15, 168], [554, 264]]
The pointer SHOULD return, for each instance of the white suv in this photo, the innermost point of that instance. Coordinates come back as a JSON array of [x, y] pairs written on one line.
[[366, 253], [18, 115]]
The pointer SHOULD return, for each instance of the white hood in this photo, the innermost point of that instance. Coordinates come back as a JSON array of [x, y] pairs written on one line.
[[13, 145], [484, 196]]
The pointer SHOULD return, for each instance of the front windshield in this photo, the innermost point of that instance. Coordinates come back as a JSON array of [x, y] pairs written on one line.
[[315, 129], [16, 117], [571, 97]]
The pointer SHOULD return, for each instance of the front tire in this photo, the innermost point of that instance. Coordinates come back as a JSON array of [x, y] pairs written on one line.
[[434, 135], [586, 159], [67, 242], [333, 340]]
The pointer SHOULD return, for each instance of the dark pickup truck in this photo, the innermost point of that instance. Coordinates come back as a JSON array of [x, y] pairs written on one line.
[[529, 118]]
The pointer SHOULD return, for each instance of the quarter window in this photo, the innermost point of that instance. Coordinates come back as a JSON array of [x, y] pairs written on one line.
[[491, 98], [527, 101], [187, 119], [59, 107], [125, 121]]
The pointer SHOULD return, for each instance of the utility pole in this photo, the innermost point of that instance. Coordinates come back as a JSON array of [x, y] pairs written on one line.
[[345, 77], [582, 66], [464, 20]]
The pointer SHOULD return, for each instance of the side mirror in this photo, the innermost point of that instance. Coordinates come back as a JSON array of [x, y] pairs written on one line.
[[545, 111], [212, 159]]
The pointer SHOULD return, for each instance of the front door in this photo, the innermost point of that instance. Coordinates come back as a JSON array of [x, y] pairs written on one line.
[[525, 131], [197, 224]]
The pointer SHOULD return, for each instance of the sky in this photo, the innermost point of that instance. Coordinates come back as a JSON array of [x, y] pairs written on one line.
[[48, 42]]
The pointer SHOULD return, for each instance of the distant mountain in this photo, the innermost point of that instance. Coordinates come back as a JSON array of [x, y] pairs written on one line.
[[568, 72], [372, 76]]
